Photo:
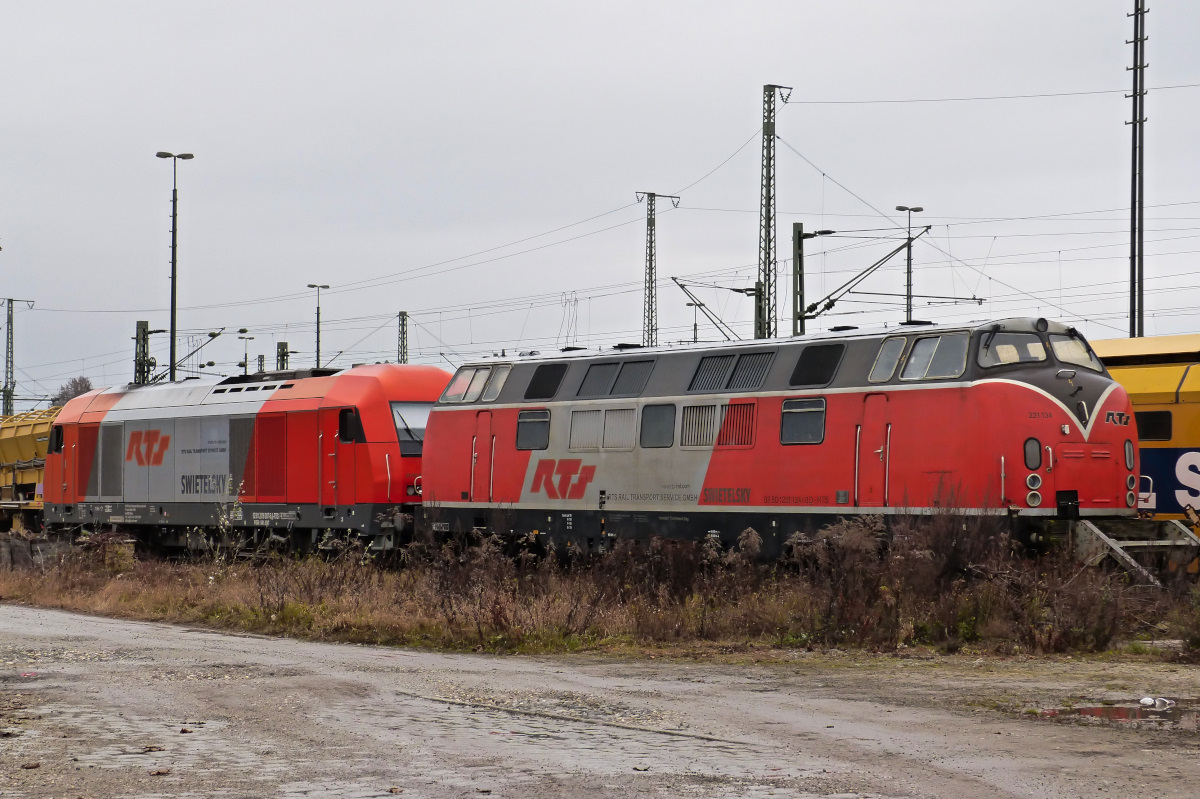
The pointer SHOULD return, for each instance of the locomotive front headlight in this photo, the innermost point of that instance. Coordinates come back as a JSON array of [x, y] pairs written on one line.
[[1130, 499], [1034, 481], [1129, 455], [1130, 482], [1033, 499]]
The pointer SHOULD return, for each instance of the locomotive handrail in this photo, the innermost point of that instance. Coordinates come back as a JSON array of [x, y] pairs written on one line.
[[388, 463], [1003, 491], [1049, 459], [1145, 496]]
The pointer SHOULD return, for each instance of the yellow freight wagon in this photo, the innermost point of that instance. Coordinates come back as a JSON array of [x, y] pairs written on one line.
[[1161, 374], [23, 442]]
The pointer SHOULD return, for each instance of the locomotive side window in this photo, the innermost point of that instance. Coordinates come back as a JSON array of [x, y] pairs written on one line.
[[750, 371], [935, 357], [710, 374], [1005, 348], [658, 426], [619, 427], [533, 428], [1074, 350], [818, 364], [632, 379], [804, 420], [697, 428], [737, 425], [586, 429], [1153, 425], [545, 381], [411, 419], [350, 429], [56, 439], [886, 360], [499, 376], [598, 380]]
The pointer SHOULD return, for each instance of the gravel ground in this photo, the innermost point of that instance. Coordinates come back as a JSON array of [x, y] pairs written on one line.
[[111, 708]]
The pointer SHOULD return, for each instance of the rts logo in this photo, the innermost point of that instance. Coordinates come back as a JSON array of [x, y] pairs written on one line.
[[142, 447], [565, 469], [1113, 417]]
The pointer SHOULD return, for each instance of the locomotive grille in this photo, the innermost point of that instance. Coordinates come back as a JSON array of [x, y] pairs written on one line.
[[696, 427], [710, 374], [750, 371], [737, 425]]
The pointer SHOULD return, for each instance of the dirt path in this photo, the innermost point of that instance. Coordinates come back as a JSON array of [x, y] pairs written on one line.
[[101, 705]]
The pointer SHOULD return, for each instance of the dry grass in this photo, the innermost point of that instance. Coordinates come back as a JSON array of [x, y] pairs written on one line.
[[941, 582]]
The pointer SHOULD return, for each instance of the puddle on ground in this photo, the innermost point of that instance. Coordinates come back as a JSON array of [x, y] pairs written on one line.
[[1179, 716]]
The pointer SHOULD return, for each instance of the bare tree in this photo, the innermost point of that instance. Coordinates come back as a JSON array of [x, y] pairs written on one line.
[[71, 389]]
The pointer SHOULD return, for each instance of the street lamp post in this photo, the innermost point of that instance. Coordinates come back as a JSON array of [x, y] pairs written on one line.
[[908, 293], [174, 241], [246, 352], [318, 287]]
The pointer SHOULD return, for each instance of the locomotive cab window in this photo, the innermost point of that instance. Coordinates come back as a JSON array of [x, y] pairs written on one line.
[[545, 381], [1000, 349], [350, 429], [56, 439], [1075, 351], [410, 419], [496, 382], [1153, 425], [533, 429], [885, 362], [803, 421], [935, 357], [466, 385], [658, 426]]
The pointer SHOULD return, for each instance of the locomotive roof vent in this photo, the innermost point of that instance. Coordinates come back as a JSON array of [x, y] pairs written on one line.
[[916, 322], [271, 377], [572, 349], [842, 328], [627, 346]]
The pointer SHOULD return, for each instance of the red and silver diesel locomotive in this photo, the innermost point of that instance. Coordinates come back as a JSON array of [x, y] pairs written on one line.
[[1015, 417], [278, 455]]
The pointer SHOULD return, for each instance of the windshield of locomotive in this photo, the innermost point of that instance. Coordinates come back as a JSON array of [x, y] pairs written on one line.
[[410, 419]]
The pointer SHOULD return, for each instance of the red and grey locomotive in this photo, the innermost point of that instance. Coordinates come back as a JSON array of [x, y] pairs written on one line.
[[279, 455], [1015, 417]]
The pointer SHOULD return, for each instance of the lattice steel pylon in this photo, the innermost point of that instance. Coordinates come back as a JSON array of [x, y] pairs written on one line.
[[10, 381], [650, 304], [402, 339], [767, 302]]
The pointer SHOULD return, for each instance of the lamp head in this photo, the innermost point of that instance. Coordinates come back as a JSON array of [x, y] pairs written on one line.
[[165, 155], [185, 156]]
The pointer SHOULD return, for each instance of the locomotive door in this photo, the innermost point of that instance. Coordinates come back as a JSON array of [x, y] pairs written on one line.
[[483, 451], [338, 429], [873, 455]]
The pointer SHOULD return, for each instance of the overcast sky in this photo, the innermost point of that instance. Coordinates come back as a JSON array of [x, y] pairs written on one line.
[[476, 165]]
